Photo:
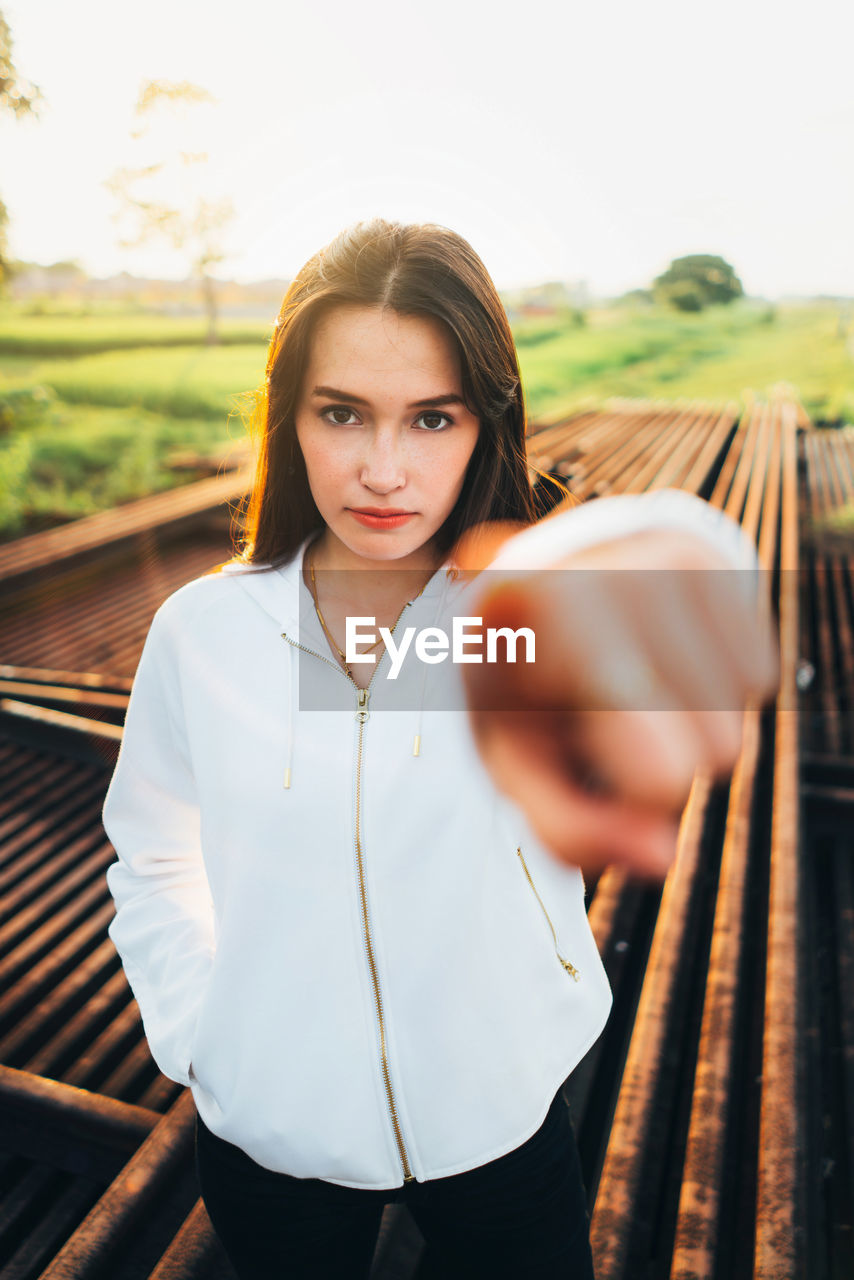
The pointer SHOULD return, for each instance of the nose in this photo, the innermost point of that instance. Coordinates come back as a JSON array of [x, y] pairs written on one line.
[[383, 466]]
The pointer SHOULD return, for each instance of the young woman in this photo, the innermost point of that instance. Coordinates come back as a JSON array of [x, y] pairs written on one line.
[[350, 906]]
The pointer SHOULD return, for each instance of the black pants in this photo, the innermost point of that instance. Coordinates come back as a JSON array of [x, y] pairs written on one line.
[[522, 1216]]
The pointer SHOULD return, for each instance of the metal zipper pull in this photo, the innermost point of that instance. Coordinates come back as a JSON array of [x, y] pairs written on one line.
[[363, 712], [569, 968]]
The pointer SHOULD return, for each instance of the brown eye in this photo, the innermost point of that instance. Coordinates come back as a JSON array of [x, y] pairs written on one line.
[[432, 420], [339, 415]]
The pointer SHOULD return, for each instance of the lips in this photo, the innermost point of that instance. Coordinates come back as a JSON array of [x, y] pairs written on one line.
[[381, 518], [382, 511]]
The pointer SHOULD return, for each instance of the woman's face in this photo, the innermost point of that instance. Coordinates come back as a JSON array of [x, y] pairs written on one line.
[[383, 429]]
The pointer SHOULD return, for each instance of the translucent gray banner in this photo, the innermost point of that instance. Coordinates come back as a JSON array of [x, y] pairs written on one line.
[[582, 639]]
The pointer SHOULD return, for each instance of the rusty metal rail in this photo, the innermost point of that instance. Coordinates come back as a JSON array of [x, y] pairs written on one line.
[[92, 616], [633, 1195], [185, 505], [827, 873], [630, 446]]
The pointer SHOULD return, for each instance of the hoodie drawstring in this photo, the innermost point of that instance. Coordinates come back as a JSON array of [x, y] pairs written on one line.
[[292, 695], [416, 742], [292, 682]]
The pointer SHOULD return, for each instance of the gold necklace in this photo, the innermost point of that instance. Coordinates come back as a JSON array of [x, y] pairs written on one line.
[[329, 634]]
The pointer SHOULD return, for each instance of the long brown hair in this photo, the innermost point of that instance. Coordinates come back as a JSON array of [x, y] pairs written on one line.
[[415, 270]]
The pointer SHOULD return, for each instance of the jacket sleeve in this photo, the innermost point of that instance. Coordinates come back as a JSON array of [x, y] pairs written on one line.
[[576, 528], [164, 923]]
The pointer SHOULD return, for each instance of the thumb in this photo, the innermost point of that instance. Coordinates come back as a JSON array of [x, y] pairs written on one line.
[[478, 546]]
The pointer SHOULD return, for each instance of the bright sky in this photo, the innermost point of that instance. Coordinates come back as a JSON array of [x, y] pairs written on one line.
[[566, 139]]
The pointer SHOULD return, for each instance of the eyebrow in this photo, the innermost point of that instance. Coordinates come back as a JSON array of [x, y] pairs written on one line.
[[335, 393]]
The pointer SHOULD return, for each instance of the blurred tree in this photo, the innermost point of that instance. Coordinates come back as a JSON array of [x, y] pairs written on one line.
[[16, 94], [4, 243], [695, 281], [20, 98], [685, 295], [169, 198], [642, 296]]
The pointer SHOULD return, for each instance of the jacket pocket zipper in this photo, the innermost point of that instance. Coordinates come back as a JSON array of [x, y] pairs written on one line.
[[570, 968]]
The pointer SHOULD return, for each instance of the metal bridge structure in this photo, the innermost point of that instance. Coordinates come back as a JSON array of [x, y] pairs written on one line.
[[715, 1115]]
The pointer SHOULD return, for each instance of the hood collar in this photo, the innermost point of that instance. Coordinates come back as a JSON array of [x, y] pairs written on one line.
[[277, 590]]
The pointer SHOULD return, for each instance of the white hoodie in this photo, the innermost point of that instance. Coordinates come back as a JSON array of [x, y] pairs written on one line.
[[359, 958]]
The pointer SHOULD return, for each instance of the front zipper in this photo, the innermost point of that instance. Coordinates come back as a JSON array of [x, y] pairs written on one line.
[[362, 714], [570, 968]]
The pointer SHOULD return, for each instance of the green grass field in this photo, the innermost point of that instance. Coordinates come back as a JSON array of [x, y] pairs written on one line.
[[64, 333], [725, 353], [180, 382], [93, 406]]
